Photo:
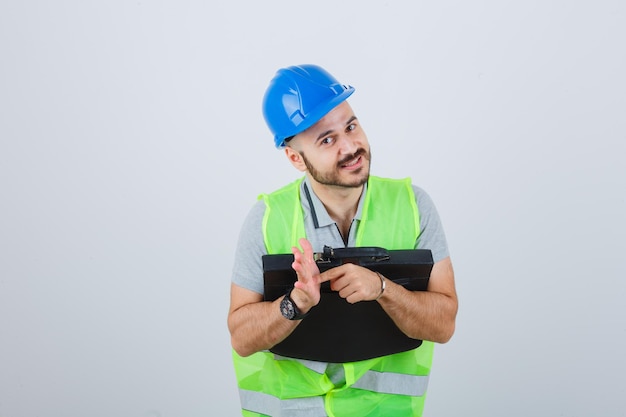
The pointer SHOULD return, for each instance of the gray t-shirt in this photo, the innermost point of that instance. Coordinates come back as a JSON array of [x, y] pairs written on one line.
[[321, 230]]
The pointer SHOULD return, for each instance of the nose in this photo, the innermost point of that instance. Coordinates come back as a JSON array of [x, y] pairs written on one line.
[[348, 145]]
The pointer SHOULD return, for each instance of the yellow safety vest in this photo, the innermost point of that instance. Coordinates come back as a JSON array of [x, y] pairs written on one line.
[[392, 385]]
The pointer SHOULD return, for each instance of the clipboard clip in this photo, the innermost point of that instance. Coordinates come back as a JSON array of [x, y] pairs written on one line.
[[370, 253]]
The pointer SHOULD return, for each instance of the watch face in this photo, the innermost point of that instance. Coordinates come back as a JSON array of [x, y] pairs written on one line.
[[286, 307]]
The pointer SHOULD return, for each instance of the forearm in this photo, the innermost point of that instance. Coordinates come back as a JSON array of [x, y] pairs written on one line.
[[422, 315], [258, 326]]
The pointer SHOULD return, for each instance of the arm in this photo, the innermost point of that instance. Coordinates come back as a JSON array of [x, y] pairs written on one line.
[[257, 325], [428, 315]]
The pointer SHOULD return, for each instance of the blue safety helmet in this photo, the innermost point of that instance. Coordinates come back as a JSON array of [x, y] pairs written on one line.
[[298, 97]]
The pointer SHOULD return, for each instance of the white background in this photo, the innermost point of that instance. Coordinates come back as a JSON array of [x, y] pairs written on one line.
[[132, 145]]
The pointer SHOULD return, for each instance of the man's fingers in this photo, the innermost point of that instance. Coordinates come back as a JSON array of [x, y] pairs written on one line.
[[329, 275], [296, 253], [303, 262], [307, 249]]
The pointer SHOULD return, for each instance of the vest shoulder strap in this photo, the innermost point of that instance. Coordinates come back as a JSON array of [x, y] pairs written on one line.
[[390, 217], [283, 222]]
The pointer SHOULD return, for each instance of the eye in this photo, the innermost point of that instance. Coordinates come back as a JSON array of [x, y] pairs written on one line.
[[351, 127], [327, 140]]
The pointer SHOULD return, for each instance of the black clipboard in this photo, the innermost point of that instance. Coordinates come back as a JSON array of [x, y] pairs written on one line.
[[336, 331]]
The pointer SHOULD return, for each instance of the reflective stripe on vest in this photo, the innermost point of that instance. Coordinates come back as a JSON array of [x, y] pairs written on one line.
[[259, 402], [315, 366], [392, 383], [389, 385], [385, 382]]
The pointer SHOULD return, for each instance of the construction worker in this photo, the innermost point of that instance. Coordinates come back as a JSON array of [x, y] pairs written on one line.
[[339, 204]]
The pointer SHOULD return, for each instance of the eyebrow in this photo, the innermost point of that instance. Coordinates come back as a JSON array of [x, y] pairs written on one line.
[[328, 132]]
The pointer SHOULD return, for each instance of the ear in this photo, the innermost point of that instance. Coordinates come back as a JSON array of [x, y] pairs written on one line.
[[295, 158]]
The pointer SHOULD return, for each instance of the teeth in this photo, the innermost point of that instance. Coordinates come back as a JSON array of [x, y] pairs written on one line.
[[353, 162]]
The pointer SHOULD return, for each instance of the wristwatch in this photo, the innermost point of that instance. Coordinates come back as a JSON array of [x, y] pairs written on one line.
[[289, 309]]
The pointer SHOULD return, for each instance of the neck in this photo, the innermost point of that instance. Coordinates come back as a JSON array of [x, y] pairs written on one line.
[[340, 202]]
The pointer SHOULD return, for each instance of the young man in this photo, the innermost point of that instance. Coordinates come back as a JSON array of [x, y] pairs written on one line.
[[335, 203]]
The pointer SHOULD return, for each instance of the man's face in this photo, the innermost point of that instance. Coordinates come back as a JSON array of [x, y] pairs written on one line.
[[335, 150]]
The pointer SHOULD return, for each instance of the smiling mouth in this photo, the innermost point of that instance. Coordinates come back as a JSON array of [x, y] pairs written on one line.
[[353, 160], [351, 163]]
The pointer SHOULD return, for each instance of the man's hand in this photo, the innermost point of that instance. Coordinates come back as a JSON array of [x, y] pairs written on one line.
[[353, 282], [307, 289]]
